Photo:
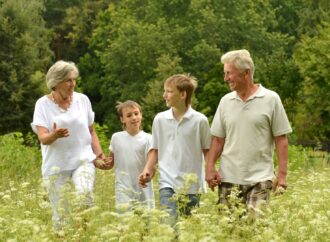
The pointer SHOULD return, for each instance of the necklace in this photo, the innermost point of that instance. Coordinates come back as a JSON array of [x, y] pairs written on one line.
[[62, 110]]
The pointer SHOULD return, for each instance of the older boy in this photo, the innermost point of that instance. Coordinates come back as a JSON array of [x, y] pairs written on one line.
[[180, 136]]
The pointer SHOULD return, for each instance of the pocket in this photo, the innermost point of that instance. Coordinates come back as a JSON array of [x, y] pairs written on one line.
[[265, 185]]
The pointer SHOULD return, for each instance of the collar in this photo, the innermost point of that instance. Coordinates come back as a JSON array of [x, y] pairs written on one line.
[[259, 93], [187, 114]]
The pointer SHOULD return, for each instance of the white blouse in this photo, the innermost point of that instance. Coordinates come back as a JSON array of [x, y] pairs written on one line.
[[65, 153]]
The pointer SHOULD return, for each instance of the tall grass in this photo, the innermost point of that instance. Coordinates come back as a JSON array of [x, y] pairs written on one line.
[[302, 213]]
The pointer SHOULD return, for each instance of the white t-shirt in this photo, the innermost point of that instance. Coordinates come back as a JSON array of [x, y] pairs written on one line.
[[69, 152], [130, 156], [180, 149], [249, 129]]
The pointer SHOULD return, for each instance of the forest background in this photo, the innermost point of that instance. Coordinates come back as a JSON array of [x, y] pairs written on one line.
[[125, 49]]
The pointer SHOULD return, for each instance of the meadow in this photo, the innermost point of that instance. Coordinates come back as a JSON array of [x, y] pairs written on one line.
[[302, 213]]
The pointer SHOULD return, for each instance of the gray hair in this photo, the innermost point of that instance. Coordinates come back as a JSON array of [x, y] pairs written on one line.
[[241, 59], [59, 72]]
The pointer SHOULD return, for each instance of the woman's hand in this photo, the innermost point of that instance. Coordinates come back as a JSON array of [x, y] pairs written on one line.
[[47, 138], [60, 132], [102, 162]]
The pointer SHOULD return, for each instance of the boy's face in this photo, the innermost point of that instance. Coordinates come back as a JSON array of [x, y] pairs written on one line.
[[132, 119], [173, 97]]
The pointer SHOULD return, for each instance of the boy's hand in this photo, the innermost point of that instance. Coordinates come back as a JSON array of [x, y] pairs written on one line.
[[144, 178], [108, 163]]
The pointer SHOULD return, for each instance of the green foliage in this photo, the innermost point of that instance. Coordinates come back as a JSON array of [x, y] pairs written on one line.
[[18, 160], [54, 15], [209, 98], [278, 72], [132, 39], [24, 54], [311, 13], [126, 49], [306, 158], [153, 101], [72, 22], [300, 214], [313, 59], [103, 134], [120, 46]]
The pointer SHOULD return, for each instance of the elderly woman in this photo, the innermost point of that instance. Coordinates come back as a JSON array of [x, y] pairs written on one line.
[[63, 121]]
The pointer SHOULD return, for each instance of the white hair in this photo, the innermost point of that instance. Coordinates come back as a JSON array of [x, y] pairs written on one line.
[[59, 72], [241, 59]]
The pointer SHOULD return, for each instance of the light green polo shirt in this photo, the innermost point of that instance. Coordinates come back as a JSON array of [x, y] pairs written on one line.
[[249, 129]]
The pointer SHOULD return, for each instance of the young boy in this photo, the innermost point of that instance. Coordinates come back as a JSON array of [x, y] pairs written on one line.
[[180, 136], [128, 153]]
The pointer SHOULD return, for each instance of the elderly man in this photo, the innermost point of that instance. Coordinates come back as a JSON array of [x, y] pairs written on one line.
[[247, 123]]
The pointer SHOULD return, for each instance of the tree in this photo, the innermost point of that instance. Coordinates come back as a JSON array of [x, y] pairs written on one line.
[[74, 31], [153, 102], [124, 51], [54, 15], [24, 55], [311, 14], [132, 38], [313, 59]]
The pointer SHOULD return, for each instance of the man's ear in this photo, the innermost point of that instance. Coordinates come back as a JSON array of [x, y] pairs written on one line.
[[247, 72]]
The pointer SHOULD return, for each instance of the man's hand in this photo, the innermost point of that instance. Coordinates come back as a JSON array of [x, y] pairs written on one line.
[[213, 178], [279, 185]]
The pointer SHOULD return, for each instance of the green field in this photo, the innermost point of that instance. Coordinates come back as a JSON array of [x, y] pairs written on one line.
[[302, 213]]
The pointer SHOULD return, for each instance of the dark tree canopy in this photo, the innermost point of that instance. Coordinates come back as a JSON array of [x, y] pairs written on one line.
[[126, 49], [24, 54]]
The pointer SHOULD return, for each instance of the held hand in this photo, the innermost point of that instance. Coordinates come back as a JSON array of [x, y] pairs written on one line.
[[60, 132], [279, 185], [213, 178], [102, 162], [108, 163], [144, 178]]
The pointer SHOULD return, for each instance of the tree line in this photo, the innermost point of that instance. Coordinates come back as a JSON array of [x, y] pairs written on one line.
[[126, 48]]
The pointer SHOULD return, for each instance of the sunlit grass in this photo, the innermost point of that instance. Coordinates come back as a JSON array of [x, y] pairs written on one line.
[[302, 213]]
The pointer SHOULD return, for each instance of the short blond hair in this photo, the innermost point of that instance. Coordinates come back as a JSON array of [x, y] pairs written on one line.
[[184, 83]]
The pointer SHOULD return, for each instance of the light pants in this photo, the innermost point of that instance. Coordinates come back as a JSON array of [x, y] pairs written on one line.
[[58, 186]]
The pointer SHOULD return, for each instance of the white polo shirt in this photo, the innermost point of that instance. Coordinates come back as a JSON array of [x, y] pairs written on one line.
[[69, 152], [249, 129], [180, 148]]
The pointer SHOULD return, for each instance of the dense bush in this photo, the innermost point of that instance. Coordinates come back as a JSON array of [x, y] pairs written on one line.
[[18, 161]]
